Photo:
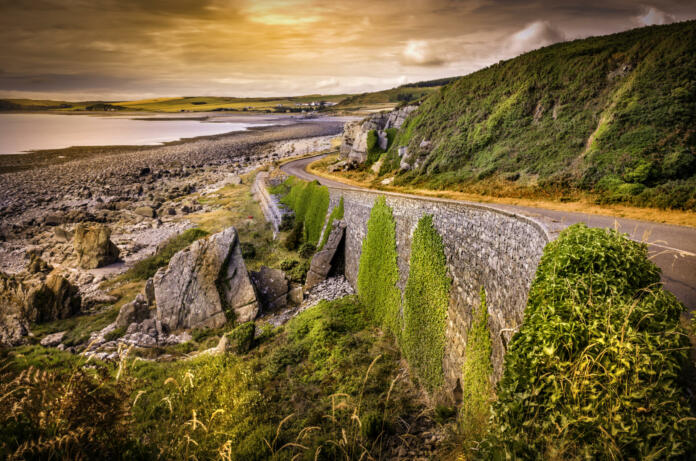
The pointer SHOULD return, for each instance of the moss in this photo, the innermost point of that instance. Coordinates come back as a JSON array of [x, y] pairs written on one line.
[[426, 302], [595, 369], [378, 272], [336, 214], [477, 389], [241, 339]]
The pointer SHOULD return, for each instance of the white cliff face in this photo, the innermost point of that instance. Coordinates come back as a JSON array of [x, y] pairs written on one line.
[[354, 141]]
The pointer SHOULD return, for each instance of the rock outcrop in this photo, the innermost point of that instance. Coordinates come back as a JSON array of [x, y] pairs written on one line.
[[354, 139], [324, 260], [54, 299], [94, 246], [134, 312], [205, 285], [272, 287]]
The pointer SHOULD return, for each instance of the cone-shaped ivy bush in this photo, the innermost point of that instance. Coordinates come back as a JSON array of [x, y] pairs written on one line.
[[378, 272], [426, 301], [477, 388], [595, 370]]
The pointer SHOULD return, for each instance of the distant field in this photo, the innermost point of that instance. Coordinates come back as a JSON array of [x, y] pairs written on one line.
[[204, 104], [352, 103]]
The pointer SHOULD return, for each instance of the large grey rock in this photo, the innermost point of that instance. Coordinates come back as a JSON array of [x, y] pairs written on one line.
[[321, 261], [54, 339], [145, 211], [94, 246], [54, 299], [272, 287], [204, 284], [135, 311]]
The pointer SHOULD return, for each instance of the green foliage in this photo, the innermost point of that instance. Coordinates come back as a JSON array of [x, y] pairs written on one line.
[[426, 302], [57, 408], [115, 334], [373, 150], [294, 238], [595, 369], [570, 114], [307, 250], [147, 267], [310, 202], [320, 372], [477, 388], [241, 339], [336, 214], [378, 272], [248, 250]]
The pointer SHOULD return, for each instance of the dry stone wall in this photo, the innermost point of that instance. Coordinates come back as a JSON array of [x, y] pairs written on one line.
[[484, 247]]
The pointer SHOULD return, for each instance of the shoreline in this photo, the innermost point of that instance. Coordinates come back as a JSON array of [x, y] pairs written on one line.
[[10, 163]]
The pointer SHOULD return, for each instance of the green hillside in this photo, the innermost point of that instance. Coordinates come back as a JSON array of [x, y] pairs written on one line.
[[612, 116], [387, 99]]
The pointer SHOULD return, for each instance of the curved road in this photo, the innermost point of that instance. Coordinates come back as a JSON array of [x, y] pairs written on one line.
[[672, 248]]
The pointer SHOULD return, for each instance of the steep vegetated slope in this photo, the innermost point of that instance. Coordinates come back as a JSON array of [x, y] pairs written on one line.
[[610, 115]]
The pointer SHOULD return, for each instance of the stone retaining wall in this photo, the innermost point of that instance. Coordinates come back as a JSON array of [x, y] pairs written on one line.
[[484, 247], [269, 203]]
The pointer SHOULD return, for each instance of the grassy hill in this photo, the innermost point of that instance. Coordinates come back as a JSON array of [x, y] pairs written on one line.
[[208, 103], [612, 116], [388, 99]]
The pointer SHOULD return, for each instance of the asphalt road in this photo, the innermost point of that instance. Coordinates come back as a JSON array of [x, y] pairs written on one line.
[[672, 248]]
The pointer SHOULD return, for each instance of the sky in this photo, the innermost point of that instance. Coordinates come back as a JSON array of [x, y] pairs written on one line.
[[133, 49]]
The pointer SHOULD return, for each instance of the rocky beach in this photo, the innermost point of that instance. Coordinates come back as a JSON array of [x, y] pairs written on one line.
[[72, 219]]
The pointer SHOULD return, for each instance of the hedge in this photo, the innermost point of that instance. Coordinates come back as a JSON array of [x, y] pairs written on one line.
[[426, 302], [378, 272], [596, 368]]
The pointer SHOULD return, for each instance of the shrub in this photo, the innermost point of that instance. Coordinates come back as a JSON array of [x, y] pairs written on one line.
[[298, 273], [294, 238], [248, 250], [594, 371], [115, 334], [426, 302], [336, 213], [288, 264], [477, 389], [378, 272], [373, 150], [310, 202], [316, 212], [307, 250]]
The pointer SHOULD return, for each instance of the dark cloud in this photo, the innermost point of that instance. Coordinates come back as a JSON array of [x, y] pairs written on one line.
[[265, 47]]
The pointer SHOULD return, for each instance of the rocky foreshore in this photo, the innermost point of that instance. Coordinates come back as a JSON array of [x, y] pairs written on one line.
[[65, 228]]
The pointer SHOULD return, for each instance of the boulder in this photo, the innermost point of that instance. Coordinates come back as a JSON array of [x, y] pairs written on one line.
[[54, 339], [272, 287], [94, 246], [145, 211], [13, 325], [296, 295], [61, 234], [54, 299], [382, 140], [133, 312], [205, 285], [323, 260]]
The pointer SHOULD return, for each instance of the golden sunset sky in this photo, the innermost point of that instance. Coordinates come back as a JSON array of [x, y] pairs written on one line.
[[129, 49]]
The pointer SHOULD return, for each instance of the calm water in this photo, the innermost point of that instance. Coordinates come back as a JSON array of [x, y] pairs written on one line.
[[26, 132]]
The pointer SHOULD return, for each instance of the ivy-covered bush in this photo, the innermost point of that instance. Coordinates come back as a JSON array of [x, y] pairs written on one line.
[[378, 272], [336, 213], [426, 301], [477, 388], [310, 202], [595, 369]]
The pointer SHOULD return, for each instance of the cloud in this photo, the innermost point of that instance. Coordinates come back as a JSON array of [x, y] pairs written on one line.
[[535, 35], [652, 16], [328, 83], [420, 53]]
